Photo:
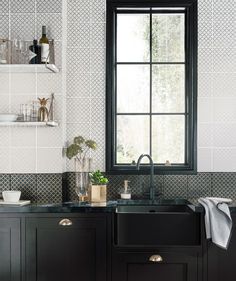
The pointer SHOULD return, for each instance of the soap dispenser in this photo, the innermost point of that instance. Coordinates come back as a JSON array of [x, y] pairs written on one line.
[[126, 192]]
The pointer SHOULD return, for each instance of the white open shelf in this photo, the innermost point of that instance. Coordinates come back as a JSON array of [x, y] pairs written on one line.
[[28, 68], [28, 124]]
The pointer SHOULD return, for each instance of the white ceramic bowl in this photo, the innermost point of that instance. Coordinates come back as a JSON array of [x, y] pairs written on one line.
[[11, 196], [8, 117]]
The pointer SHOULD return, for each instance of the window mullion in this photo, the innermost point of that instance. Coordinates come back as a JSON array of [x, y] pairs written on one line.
[[150, 122]]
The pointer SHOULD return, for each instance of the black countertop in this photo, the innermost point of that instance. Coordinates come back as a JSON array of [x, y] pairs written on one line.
[[109, 207]]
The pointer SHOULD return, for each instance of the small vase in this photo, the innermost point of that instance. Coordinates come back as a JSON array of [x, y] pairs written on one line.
[[43, 111], [82, 169], [98, 193]]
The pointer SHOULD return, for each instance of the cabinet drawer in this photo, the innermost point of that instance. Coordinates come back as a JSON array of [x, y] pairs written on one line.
[[140, 266]]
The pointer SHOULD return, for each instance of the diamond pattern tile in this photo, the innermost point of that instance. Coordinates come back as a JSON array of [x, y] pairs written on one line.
[[78, 35], [78, 60], [205, 34], [78, 85], [223, 185], [49, 188], [53, 23], [97, 35], [75, 106], [199, 185], [27, 184], [78, 11], [205, 60], [97, 11], [4, 25], [97, 60], [23, 26], [70, 193], [4, 6], [175, 187], [98, 110], [22, 6], [98, 156], [97, 85], [5, 182], [224, 34], [52, 6], [205, 9]]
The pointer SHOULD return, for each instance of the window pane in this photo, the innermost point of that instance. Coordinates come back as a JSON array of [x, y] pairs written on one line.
[[133, 37], [132, 137], [168, 32], [133, 88], [168, 139], [168, 88]]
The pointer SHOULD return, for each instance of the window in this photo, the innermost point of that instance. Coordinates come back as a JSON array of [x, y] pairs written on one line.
[[151, 85]]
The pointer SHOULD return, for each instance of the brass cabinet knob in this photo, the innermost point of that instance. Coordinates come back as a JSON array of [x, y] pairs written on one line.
[[156, 258], [65, 222]]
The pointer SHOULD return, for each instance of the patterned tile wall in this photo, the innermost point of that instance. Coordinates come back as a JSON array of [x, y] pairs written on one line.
[[188, 187], [30, 149], [39, 188], [86, 74]]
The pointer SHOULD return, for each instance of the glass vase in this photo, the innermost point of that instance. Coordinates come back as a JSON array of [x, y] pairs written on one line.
[[82, 169]]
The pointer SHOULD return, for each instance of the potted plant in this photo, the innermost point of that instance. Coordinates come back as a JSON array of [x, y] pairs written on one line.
[[78, 151], [98, 187]]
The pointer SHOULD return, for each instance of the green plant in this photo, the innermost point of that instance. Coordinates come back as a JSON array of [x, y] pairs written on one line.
[[80, 147], [97, 178]]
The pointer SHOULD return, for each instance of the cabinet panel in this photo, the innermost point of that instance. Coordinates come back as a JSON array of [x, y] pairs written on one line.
[[74, 252], [137, 267], [222, 263], [10, 265]]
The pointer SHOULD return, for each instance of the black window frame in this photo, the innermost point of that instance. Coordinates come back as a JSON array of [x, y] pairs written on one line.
[[190, 81]]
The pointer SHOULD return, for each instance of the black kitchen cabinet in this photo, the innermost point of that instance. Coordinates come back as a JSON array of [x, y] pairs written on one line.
[[221, 264], [135, 266], [66, 249], [10, 249]]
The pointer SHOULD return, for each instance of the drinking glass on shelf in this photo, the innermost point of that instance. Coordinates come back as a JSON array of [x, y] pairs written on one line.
[[16, 51]]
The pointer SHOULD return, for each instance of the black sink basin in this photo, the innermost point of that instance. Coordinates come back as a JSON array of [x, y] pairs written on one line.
[[152, 209], [150, 225]]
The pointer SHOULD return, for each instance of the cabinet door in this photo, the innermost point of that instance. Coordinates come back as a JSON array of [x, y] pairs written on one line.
[[138, 267], [72, 252], [10, 255], [222, 263]]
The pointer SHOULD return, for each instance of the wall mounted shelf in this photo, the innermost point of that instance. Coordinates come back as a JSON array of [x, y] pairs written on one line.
[[28, 124], [28, 68]]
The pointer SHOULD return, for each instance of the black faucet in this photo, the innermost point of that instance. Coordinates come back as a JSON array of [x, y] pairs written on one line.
[[151, 187]]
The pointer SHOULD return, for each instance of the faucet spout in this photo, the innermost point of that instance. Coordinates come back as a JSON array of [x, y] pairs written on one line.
[[152, 188]]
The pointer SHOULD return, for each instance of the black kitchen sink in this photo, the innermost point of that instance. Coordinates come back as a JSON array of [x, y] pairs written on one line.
[[152, 209], [148, 225]]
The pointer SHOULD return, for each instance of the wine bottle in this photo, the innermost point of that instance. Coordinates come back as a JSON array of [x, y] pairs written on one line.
[[36, 49], [44, 46]]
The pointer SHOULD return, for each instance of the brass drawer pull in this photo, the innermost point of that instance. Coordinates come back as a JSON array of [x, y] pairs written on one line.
[[156, 258], [65, 222]]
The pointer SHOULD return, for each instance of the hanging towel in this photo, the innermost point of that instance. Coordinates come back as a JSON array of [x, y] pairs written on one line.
[[218, 220]]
